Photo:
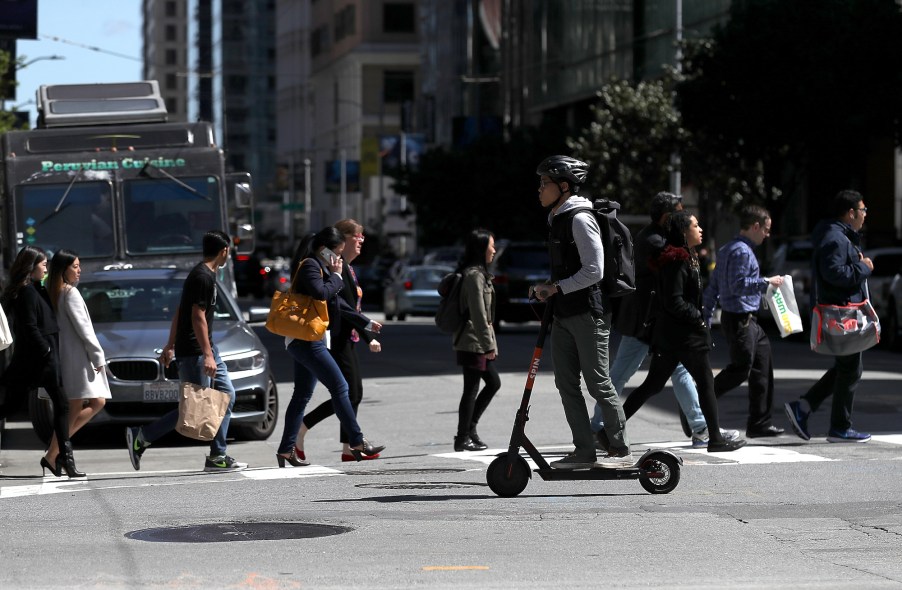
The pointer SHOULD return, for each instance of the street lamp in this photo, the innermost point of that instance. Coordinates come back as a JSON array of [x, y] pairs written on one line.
[[31, 61], [16, 66]]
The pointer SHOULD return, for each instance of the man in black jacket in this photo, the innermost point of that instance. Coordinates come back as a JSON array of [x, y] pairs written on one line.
[[839, 272]]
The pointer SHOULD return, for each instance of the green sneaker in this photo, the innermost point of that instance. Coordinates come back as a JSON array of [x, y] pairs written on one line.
[[222, 463], [135, 448]]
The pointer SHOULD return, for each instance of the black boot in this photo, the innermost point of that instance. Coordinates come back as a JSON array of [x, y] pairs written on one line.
[[65, 461], [463, 443], [474, 438]]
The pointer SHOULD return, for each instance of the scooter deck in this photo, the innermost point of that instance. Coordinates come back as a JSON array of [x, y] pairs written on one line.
[[631, 472]]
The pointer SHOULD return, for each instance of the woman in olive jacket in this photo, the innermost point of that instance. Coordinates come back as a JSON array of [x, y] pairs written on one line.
[[475, 342], [680, 333]]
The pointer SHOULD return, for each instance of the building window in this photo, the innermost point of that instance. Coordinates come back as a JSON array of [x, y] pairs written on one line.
[[170, 8], [344, 22], [171, 33], [171, 57], [319, 41], [171, 82], [398, 86], [398, 17]]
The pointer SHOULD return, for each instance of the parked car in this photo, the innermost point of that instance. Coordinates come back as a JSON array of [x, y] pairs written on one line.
[[889, 321], [516, 267], [132, 314], [887, 264], [793, 258], [414, 291]]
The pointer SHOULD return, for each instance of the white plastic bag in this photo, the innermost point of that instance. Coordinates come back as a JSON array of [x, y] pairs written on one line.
[[782, 303], [6, 335]]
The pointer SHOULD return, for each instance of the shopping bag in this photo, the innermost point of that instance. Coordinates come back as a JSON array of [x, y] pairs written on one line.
[[6, 335], [840, 330], [782, 304], [201, 410]]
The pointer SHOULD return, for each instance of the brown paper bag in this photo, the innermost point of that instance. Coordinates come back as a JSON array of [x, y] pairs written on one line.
[[201, 410]]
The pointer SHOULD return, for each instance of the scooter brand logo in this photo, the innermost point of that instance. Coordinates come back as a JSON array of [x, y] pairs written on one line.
[[533, 368]]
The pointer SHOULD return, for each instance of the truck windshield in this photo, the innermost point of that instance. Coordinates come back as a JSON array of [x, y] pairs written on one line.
[[45, 219], [164, 215]]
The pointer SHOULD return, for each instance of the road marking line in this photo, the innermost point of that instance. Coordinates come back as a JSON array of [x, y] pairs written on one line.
[[895, 439], [453, 568], [293, 473]]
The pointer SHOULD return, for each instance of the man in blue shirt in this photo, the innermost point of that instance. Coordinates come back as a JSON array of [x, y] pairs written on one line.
[[738, 284]]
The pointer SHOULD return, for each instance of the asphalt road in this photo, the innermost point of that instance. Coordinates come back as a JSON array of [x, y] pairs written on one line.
[[780, 513]]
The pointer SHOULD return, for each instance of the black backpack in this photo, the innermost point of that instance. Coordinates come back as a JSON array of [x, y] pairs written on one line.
[[449, 317], [619, 270]]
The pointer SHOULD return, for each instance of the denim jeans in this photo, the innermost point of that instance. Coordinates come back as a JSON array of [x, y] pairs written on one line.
[[191, 370], [630, 355], [312, 363]]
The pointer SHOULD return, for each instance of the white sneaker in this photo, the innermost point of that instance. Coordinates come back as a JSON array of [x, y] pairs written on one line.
[[615, 461]]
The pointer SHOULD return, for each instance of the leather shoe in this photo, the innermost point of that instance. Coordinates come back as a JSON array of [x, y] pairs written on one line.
[[764, 432]]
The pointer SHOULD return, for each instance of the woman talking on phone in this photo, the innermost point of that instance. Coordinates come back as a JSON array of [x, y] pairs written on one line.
[[319, 275]]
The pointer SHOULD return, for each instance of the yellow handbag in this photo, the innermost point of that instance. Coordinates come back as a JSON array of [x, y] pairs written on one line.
[[296, 315]]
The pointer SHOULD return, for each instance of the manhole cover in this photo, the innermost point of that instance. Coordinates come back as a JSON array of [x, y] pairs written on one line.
[[403, 471], [415, 486], [237, 531]]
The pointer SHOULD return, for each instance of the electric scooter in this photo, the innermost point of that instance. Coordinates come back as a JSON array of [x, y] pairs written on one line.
[[658, 471]]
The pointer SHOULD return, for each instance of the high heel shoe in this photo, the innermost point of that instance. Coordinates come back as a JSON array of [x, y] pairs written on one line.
[[65, 461], [349, 457], [292, 460], [300, 454], [370, 449], [45, 464], [357, 454]]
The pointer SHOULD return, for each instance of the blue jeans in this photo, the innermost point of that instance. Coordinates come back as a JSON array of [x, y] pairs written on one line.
[[312, 363], [191, 370], [630, 355]]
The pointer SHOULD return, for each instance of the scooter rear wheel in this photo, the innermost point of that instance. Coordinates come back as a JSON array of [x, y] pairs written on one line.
[[660, 473], [508, 475]]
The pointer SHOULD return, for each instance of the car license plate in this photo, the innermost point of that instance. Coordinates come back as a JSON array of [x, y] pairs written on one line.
[[161, 391]]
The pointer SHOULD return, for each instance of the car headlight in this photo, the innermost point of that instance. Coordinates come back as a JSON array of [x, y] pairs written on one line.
[[253, 361]]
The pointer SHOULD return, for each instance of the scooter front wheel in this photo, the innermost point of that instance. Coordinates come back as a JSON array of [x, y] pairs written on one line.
[[660, 473], [508, 474]]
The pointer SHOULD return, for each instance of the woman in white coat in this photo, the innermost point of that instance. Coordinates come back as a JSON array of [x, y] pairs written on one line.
[[82, 362]]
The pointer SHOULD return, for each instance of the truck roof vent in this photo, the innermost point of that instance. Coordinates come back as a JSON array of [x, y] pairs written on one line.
[[67, 105]]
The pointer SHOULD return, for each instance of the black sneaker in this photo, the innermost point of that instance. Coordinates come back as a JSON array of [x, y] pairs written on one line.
[[725, 446], [222, 463], [135, 448]]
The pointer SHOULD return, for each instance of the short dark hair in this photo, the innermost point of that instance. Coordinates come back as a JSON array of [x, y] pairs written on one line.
[[749, 215], [845, 200], [663, 203], [214, 242]]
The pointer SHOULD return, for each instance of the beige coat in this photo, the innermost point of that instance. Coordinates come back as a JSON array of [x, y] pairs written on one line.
[[80, 352], [477, 294]]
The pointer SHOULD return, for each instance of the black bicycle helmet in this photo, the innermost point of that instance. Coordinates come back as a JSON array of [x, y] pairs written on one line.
[[565, 168]]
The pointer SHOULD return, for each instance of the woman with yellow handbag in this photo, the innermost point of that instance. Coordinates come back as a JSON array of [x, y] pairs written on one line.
[[318, 277]]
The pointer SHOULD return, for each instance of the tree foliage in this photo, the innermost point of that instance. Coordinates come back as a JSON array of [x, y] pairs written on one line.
[[492, 184], [629, 144], [789, 87], [7, 120]]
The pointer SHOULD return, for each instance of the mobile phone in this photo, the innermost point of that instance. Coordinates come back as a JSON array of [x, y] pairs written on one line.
[[328, 255]]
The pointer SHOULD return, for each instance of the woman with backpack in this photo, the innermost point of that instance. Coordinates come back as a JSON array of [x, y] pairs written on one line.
[[680, 333], [475, 343]]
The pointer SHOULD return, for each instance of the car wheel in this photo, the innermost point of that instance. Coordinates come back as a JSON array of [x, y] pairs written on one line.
[[40, 411], [402, 316], [263, 430]]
